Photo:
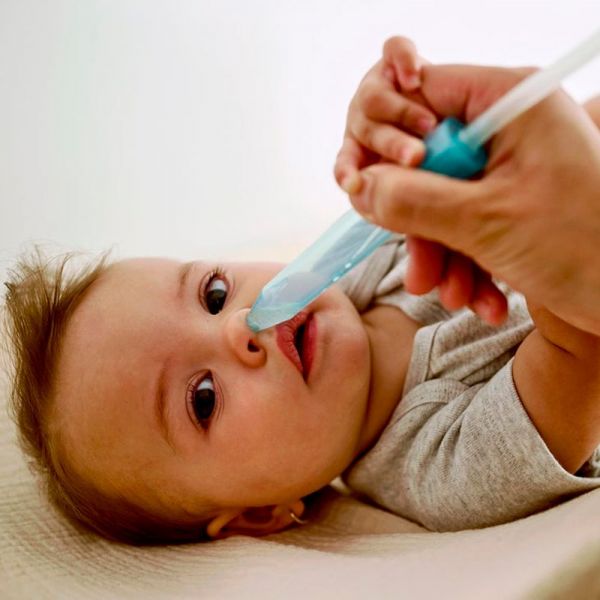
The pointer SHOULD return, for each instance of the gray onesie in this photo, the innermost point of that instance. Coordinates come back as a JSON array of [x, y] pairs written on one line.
[[459, 451]]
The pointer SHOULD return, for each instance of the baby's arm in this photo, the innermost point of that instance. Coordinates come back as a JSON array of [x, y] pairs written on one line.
[[557, 375]]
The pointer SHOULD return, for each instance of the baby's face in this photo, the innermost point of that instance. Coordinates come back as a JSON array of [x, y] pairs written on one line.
[[166, 396]]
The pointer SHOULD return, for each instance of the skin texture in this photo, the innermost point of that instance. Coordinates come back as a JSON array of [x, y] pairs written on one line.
[[533, 220], [273, 437]]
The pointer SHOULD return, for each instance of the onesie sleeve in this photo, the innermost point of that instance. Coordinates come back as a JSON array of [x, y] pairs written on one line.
[[458, 456]]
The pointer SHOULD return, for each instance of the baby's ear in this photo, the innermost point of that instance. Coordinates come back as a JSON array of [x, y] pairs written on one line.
[[253, 521]]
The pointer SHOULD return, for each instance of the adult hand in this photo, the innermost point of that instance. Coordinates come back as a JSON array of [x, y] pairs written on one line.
[[386, 119], [533, 219]]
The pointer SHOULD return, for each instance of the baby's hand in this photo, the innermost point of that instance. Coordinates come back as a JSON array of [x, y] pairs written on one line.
[[387, 115], [386, 119]]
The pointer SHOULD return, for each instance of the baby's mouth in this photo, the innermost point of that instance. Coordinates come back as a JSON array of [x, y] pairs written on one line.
[[290, 336], [298, 340]]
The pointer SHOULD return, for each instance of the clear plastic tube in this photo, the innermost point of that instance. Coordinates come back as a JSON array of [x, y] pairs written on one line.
[[527, 93]]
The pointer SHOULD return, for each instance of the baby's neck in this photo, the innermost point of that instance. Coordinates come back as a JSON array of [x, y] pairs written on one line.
[[391, 334]]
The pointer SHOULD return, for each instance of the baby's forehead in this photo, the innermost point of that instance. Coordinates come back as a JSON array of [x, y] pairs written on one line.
[[130, 275], [109, 343], [141, 264], [112, 303]]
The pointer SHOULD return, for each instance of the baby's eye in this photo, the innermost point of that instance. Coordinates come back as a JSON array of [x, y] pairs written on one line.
[[203, 400], [215, 293]]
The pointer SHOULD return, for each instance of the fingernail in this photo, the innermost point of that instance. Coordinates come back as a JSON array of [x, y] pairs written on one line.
[[362, 200], [389, 74], [425, 124], [406, 155], [486, 310], [412, 82], [351, 184]]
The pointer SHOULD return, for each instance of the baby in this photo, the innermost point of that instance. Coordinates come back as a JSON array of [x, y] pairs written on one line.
[[156, 415]]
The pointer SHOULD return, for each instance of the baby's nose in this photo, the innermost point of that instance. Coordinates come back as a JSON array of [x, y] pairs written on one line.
[[244, 343]]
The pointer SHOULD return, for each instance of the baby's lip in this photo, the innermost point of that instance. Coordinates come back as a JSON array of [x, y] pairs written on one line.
[[286, 332]]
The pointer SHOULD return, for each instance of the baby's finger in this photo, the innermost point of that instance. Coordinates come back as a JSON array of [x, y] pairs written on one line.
[[401, 53], [389, 142], [457, 286]]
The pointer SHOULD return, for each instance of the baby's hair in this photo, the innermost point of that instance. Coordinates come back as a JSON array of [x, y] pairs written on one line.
[[41, 296]]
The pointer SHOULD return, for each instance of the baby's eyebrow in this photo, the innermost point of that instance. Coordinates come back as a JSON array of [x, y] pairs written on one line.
[[160, 406], [184, 272]]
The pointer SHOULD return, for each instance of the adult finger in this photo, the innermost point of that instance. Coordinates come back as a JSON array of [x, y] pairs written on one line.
[[431, 265], [488, 301], [384, 105], [351, 157], [401, 53], [457, 285], [419, 202], [389, 142], [426, 265]]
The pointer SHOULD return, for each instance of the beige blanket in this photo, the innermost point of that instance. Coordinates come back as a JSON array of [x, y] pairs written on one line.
[[350, 550]]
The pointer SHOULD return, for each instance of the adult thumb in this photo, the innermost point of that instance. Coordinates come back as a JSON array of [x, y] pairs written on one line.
[[420, 203]]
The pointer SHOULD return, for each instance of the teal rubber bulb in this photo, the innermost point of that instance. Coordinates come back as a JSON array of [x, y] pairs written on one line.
[[351, 239], [447, 154]]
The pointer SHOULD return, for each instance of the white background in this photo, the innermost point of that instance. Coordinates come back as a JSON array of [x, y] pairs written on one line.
[[209, 129]]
